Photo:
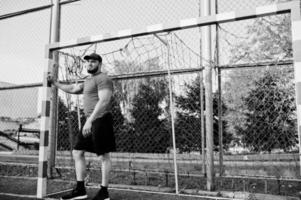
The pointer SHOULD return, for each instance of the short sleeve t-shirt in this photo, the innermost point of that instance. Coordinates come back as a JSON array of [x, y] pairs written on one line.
[[92, 85]]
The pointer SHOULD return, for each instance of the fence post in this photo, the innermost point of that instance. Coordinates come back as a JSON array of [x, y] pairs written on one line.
[[220, 108], [172, 122], [18, 135], [215, 52], [296, 40], [202, 122], [206, 57], [54, 37], [220, 124], [171, 108], [201, 75]]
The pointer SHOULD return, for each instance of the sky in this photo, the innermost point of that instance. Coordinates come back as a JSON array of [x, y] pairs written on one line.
[[23, 38]]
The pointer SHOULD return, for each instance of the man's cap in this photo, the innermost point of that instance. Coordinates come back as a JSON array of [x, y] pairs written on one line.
[[93, 56]]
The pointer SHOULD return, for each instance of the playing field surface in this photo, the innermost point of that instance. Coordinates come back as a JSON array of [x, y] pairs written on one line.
[[17, 188]]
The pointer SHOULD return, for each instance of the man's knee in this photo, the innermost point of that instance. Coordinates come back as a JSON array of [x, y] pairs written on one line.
[[77, 154]]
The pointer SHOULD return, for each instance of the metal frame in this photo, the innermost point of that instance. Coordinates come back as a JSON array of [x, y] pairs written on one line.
[[40, 8], [164, 73], [290, 7]]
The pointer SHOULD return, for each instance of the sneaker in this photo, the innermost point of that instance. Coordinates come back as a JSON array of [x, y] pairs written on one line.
[[76, 194], [102, 194]]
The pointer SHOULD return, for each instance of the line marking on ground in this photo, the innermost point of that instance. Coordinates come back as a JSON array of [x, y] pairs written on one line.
[[173, 194], [18, 195]]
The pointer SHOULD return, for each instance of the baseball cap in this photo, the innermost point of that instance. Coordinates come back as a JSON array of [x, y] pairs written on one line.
[[93, 56]]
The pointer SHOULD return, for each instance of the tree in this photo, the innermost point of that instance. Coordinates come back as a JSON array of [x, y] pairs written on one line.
[[151, 134], [122, 129], [131, 108], [68, 125], [188, 122], [268, 39], [270, 122]]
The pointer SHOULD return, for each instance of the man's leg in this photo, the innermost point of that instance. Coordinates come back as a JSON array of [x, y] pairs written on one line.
[[80, 164], [103, 193], [79, 192], [105, 169]]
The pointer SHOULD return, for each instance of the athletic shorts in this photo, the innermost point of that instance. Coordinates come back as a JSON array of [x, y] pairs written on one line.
[[101, 140]]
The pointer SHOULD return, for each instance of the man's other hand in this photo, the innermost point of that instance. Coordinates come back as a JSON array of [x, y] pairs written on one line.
[[87, 128]]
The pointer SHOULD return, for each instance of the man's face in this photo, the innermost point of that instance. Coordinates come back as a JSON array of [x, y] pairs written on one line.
[[92, 66]]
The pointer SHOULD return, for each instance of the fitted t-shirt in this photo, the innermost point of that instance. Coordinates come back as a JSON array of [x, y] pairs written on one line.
[[92, 85]]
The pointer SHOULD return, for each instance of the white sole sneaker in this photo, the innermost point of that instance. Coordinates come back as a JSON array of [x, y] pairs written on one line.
[[76, 198]]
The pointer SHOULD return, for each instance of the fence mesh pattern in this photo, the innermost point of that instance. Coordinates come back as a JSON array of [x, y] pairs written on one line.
[[20, 109], [260, 112], [257, 101]]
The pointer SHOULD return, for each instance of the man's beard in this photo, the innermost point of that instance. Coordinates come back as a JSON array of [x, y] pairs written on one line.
[[93, 71]]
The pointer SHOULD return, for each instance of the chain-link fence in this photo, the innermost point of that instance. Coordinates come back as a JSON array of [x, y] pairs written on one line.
[[247, 93], [19, 125], [231, 5], [21, 74], [254, 59], [117, 15], [255, 106], [260, 116]]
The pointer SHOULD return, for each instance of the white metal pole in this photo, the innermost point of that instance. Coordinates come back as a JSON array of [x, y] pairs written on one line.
[[296, 40], [171, 108], [49, 110], [54, 37], [299, 92], [202, 122], [202, 118], [207, 57], [172, 122], [215, 52]]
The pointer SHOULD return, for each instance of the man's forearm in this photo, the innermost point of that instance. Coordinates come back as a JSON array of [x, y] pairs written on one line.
[[65, 88]]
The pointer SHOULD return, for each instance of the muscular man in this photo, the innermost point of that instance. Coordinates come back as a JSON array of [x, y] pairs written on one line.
[[97, 134]]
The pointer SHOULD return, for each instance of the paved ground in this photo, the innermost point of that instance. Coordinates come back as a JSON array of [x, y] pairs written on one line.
[[17, 188]]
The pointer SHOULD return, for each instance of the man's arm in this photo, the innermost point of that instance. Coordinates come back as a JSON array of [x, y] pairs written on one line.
[[104, 99], [72, 88]]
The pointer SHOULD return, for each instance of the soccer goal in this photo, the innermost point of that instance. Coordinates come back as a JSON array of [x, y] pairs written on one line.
[[158, 104]]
